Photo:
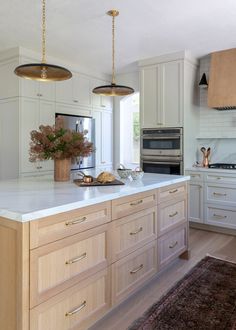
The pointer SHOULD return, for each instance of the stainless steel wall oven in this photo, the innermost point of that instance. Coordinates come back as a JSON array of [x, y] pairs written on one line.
[[162, 150]]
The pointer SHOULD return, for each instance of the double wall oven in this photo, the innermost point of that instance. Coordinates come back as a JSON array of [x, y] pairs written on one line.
[[162, 150]]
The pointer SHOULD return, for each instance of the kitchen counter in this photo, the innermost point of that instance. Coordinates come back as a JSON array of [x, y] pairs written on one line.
[[31, 198], [206, 169]]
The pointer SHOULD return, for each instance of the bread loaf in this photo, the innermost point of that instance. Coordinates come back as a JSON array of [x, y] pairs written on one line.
[[105, 177]]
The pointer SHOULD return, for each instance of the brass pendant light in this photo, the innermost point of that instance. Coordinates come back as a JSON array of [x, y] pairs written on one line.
[[113, 89], [43, 71]]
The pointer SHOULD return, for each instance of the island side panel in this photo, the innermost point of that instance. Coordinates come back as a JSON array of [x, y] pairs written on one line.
[[14, 275]]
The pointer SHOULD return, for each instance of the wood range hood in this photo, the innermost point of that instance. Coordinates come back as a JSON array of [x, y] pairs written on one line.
[[222, 80]]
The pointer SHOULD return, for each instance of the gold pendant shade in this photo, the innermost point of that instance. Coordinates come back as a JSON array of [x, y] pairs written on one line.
[[43, 71], [113, 89]]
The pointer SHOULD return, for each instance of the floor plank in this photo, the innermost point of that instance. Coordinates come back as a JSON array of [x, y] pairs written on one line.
[[201, 244]]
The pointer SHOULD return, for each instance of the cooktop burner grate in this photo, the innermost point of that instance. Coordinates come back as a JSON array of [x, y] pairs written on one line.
[[223, 165]]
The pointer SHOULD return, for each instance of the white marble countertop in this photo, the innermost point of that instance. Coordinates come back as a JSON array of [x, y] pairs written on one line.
[[206, 169], [31, 198]]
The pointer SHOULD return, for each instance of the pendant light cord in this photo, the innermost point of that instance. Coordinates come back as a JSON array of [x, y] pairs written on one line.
[[43, 31], [113, 49]]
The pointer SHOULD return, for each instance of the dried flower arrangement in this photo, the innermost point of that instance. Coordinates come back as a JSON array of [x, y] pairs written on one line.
[[56, 142]]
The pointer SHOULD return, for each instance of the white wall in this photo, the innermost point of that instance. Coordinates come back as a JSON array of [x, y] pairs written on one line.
[[128, 79]]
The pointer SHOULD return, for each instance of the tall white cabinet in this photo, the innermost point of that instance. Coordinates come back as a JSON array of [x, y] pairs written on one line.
[[26, 104], [169, 97]]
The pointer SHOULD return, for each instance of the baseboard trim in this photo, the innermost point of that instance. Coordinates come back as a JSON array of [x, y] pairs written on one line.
[[216, 229]]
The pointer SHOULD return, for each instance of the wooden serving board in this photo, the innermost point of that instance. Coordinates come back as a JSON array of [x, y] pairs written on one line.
[[95, 183]]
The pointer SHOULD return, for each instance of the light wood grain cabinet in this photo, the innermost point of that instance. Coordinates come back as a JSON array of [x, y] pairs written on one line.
[[171, 192]]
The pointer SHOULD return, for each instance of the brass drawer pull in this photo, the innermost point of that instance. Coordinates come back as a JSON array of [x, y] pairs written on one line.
[[136, 203], [136, 269], [75, 222], [173, 214], [173, 191], [137, 231], [173, 245], [219, 216], [219, 194], [72, 261], [77, 310]]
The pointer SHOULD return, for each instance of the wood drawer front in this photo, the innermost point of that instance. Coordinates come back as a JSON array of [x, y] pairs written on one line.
[[221, 178], [132, 232], [220, 216], [195, 176], [52, 228], [127, 205], [171, 245], [171, 215], [129, 273], [91, 299], [226, 195], [171, 192], [58, 265]]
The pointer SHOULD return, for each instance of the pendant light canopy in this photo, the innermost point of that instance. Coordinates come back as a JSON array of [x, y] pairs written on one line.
[[113, 89], [43, 71]]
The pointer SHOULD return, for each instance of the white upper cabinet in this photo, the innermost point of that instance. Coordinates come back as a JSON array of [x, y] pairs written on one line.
[[36, 89], [162, 95], [75, 91], [98, 101], [9, 82]]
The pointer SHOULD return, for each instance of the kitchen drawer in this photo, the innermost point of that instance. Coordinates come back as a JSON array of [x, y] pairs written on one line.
[[127, 205], [75, 308], [221, 178], [195, 176], [171, 192], [133, 231], [56, 266], [220, 216], [221, 194], [171, 215], [129, 273], [52, 228], [171, 245]]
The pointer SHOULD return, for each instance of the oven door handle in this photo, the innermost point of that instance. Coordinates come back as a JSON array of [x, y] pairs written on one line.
[[161, 163], [161, 137]]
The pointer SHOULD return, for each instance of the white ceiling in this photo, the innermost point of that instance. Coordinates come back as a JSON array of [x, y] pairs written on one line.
[[80, 31]]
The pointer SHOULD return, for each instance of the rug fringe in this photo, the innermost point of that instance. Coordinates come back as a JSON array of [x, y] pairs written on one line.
[[230, 261]]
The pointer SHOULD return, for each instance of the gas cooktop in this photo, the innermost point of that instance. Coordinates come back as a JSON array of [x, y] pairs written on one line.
[[223, 165]]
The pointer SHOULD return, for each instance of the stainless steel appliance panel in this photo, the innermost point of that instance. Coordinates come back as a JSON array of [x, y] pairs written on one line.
[[80, 124]]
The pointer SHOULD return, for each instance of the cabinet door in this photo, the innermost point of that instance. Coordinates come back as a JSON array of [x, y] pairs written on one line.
[[81, 90], [171, 100], [107, 102], [29, 88], [64, 91], [46, 117], [29, 120], [107, 138], [97, 115], [47, 90], [96, 99], [195, 202], [150, 102]]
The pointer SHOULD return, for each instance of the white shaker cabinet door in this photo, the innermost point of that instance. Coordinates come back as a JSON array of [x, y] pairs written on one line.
[[29, 120], [196, 202], [150, 101], [81, 90], [64, 91], [107, 138], [172, 94]]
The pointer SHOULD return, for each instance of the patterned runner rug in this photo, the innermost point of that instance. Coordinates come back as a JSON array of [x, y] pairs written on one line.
[[205, 299]]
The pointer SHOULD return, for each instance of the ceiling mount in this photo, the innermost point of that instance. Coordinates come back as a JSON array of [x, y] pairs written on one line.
[[113, 89], [43, 71]]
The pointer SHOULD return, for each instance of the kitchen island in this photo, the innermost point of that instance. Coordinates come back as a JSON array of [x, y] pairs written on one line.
[[68, 254]]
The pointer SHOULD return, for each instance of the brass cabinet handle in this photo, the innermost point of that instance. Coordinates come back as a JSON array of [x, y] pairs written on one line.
[[173, 245], [136, 203], [173, 214], [173, 191], [39, 167], [103, 162], [75, 101], [75, 222], [137, 231], [102, 105], [77, 310], [136, 269], [219, 194], [219, 216], [72, 261]]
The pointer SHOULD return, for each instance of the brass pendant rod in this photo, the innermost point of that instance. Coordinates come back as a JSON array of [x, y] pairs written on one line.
[[113, 49], [43, 31]]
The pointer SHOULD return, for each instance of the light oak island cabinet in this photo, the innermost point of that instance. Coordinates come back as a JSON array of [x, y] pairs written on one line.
[[66, 270]]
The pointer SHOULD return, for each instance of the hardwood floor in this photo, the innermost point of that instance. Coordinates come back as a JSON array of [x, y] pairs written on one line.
[[201, 243]]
